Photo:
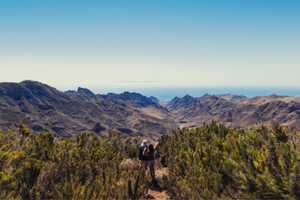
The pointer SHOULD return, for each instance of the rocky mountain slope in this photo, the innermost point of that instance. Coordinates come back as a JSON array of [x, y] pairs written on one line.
[[43, 108], [236, 111]]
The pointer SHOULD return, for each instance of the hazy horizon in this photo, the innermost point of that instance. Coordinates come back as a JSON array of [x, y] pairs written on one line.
[[168, 93], [156, 44]]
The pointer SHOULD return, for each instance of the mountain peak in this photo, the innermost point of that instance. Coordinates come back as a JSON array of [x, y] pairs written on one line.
[[26, 89], [132, 94], [187, 96], [111, 94], [207, 95], [85, 91]]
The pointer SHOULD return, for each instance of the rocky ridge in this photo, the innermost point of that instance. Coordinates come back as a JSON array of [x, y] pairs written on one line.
[[44, 108], [236, 111]]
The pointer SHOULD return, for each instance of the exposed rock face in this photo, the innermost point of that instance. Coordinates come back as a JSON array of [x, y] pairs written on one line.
[[85, 91]]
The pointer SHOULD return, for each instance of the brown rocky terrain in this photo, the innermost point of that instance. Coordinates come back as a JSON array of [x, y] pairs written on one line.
[[236, 111], [44, 108]]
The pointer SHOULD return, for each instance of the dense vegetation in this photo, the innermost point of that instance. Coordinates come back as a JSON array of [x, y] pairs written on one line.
[[211, 162], [84, 167], [214, 162]]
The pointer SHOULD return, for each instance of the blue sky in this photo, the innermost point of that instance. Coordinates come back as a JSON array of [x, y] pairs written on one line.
[[151, 43]]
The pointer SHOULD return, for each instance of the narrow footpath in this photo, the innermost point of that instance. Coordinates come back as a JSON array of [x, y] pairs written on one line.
[[155, 191]]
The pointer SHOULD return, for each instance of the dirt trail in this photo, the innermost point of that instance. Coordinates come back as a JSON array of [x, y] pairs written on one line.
[[155, 191]]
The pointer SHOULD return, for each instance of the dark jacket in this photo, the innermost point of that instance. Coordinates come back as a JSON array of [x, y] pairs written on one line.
[[150, 155], [141, 157]]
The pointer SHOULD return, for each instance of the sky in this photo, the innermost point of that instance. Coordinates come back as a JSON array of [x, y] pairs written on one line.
[[151, 43]]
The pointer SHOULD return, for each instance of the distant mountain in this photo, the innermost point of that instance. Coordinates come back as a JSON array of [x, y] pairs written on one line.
[[236, 111], [232, 97], [44, 108], [195, 111], [134, 99]]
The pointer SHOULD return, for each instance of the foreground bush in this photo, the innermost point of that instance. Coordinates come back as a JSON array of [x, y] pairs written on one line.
[[215, 162], [84, 167]]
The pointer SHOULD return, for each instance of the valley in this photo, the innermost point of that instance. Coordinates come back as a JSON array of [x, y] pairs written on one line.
[[44, 108]]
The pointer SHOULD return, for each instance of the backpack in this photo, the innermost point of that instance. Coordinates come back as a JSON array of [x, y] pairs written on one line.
[[141, 150]]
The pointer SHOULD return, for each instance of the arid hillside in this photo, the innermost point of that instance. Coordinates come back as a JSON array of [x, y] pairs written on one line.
[[44, 108], [236, 111]]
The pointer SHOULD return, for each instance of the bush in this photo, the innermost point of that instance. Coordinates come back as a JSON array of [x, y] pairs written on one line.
[[84, 167]]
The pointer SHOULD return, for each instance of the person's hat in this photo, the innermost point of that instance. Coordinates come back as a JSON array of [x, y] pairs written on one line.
[[144, 143]]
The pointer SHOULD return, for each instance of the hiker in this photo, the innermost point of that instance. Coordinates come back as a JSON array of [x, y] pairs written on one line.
[[151, 161], [143, 159]]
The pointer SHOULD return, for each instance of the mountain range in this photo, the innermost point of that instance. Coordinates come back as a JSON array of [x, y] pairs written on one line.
[[44, 108], [236, 111]]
